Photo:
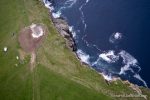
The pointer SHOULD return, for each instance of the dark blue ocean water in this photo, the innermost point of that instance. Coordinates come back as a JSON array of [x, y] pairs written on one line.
[[95, 23]]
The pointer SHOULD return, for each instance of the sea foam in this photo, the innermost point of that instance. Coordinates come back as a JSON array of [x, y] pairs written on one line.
[[83, 56], [57, 14], [71, 29], [107, 77], [109, 56], [48, 5], [139, 78], [128, 61]]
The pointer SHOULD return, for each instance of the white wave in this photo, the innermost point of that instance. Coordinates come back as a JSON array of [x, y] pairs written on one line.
[[109, 56], [70, 28], [57, 14], [107, 77], [139, 78], [48, 5], [72, 31], [83, 56], [125, 68], [67, 4], [128, 60], [118, 35]]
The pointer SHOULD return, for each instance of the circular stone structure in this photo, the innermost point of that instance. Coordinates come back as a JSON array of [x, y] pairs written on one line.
[[30, 37], [37, 31]]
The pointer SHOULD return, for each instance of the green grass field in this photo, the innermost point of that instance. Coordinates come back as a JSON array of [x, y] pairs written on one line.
[[58, 74]]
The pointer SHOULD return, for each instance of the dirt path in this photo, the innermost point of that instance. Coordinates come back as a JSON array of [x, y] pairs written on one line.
[[33, 60]]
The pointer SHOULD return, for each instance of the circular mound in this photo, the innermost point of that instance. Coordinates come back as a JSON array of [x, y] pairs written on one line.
[[31, 36]]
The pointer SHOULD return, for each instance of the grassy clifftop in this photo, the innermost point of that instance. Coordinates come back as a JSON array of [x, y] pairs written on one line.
[[58, 75]]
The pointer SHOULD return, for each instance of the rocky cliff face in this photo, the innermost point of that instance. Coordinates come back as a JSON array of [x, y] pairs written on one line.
[[63, 28]]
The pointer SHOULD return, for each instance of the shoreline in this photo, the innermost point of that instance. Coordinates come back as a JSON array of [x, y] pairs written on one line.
[[62, 28]]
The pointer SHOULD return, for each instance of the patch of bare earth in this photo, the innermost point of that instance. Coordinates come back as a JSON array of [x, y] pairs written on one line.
[[30, 39]]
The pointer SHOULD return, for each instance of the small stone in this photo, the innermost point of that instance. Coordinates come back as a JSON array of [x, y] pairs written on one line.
[[5, 49], [17, 57], [16, 65]]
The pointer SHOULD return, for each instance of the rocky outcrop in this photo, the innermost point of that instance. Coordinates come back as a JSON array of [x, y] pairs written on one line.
[[63, 28]]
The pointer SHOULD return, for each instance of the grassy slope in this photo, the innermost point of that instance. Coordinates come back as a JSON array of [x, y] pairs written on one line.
[[58, 74]]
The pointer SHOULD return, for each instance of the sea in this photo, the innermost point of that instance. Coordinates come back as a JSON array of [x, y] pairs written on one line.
[[112, 36]]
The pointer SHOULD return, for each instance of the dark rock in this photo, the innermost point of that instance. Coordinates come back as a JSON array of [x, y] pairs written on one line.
[[63, 28]]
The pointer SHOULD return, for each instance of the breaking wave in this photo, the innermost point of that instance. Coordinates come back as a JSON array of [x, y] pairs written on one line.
[[48, 4], [57, 14], [109, 56], [64, 5], [107, 77], [83, 56], [128, 61], [71, 29]]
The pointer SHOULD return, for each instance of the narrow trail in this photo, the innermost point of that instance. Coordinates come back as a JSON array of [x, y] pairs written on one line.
[[32, 61], [35, 85], [35, 79]]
